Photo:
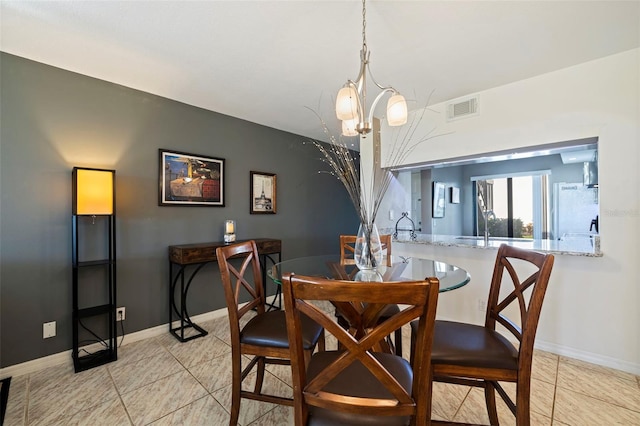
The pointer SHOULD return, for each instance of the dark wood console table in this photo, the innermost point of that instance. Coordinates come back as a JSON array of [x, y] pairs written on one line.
[[198, 255]]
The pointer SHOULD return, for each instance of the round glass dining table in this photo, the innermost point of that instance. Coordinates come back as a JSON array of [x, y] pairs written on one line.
[[401, 269]]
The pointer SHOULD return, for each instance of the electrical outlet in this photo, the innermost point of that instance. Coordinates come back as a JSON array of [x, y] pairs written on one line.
[[48, 329], [120, 314], [482, 305]]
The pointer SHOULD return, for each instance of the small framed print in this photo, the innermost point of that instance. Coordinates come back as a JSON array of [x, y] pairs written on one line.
[[455, 195], [263, 193], [190, 180]]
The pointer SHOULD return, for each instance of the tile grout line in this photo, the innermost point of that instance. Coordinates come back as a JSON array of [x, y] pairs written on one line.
[[254, 421], [120, 397], [154, 381], [209, 393], [25, 415], [461, 403], [194, 378], [595, 368], [595, 397], [555, 391], [177, 409]]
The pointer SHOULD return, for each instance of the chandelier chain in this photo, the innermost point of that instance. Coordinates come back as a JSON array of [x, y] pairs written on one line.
[[364, 26]]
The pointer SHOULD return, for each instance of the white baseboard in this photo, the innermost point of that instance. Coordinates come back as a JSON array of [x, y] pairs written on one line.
[[37, 364], [592, 358], [64, 358]]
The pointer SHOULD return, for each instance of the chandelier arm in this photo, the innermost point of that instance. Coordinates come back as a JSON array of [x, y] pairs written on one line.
[[375, 102], [380, 86], [359, 82]]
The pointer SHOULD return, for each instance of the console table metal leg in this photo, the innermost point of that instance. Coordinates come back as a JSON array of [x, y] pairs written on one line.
[[182, 313], [278, 295]]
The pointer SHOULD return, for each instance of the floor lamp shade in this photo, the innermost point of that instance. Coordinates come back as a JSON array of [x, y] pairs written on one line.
[[93, 191]]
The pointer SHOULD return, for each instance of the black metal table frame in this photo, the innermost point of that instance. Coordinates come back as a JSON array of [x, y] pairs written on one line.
[[183, 315]]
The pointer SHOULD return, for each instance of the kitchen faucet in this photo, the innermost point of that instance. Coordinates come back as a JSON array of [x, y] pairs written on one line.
[[481, 187]]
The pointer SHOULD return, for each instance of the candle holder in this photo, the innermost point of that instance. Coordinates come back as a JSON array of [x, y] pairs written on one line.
[[229, 231]]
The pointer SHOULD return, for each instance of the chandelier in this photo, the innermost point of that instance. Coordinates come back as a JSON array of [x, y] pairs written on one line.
[[351, 103]]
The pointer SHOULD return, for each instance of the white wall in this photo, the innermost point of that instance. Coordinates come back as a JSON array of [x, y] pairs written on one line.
[[592, 309]]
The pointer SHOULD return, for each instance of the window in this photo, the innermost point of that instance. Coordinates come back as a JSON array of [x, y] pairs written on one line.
[[512, 206]]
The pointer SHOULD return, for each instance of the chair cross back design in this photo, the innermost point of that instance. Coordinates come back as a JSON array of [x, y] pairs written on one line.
[[256, 293], [496, 307], [359, 384], [348, 250], [480, 355], [264, 336]]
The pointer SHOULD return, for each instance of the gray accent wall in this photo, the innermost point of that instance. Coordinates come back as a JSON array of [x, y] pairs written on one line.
[[52, 120]]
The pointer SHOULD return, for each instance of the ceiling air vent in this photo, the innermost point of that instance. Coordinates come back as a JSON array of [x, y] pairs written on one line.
[[462, 109]]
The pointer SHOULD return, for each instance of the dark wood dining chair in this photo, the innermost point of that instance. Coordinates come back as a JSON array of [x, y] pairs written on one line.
[[481, 356], [347, 252], [265, 335], [360, 384]]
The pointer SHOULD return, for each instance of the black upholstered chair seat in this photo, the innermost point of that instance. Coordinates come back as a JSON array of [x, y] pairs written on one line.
[[270, 329], [357, 381], [471, 345]]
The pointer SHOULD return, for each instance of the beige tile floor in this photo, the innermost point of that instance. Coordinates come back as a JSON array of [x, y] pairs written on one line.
[[160, 381]]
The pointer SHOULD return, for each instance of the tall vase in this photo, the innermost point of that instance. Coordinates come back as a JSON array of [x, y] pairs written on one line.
[[368, 249]]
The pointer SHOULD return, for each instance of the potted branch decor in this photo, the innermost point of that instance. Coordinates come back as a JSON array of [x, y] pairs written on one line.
[[367, 196]]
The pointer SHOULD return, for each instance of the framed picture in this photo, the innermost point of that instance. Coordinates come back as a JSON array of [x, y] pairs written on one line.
[[455, 195], [263, 193], [439, 191], [190, 180]]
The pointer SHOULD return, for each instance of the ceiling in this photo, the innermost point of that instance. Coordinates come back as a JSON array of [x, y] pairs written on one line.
[[277, 62]]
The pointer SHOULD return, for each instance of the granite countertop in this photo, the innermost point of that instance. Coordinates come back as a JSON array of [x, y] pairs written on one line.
[[581, 246]]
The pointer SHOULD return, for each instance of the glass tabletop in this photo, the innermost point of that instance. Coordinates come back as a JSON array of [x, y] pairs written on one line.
[[401, 269]]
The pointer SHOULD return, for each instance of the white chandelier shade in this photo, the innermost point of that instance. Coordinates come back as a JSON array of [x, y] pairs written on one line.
[[396, 110], [349, 127], [347, 104]]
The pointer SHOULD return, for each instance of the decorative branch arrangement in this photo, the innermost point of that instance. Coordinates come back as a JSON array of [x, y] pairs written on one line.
[[344, 166]]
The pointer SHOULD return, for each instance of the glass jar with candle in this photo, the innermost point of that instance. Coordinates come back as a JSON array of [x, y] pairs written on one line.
[[229, 231]]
